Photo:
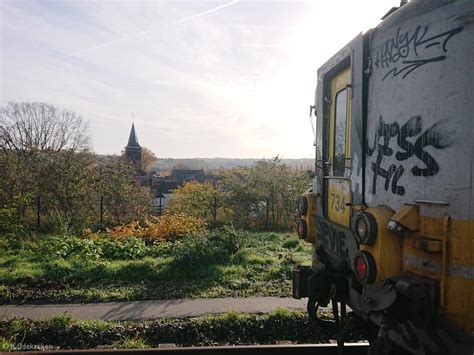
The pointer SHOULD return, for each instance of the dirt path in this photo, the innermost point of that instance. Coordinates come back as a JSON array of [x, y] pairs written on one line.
[[139, 310]]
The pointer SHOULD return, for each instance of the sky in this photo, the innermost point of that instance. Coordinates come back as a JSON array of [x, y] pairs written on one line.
[[199, 78]]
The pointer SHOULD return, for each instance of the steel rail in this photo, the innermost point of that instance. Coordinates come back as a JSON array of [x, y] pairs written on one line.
[[286, 349]]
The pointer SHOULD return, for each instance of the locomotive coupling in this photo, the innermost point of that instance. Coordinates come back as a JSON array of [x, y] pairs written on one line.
[[319, 285], [300, 281]]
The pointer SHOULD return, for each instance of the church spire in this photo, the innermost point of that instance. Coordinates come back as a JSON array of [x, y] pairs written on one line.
[[133, 150], [133, 139]]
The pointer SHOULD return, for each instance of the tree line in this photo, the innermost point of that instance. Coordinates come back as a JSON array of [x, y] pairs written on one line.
[[51, 181], [257, 197], [49, 171]]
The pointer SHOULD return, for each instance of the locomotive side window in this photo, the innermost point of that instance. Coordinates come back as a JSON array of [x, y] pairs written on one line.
[[340, 118], [337, 186]]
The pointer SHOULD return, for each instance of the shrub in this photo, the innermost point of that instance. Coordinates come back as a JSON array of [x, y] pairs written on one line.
[[165, 227], [159, 248], [217, 248], [68, 246], [229, 240], [130, 248], [96, 248], [11, 221], [173, 225], [291, 243], [125, 230], [192, 251], [197, 199]]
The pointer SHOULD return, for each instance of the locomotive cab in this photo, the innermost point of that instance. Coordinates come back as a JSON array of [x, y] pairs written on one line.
[[391, 213]]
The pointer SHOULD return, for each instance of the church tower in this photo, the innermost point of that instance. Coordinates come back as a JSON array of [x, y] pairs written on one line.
[[133, 150]]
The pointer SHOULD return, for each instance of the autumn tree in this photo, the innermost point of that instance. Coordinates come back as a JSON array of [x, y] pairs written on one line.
[[37, 126], [258, 197], [202, 200], [124, 199], [148, 159], [44, 155], [263, 196]]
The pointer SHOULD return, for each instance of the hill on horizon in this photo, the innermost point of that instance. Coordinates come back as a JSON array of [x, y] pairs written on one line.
[[167, 164]]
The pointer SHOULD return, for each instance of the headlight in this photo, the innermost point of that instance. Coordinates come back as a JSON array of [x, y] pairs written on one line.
[[361, 228], [364, 228], [302, 205]]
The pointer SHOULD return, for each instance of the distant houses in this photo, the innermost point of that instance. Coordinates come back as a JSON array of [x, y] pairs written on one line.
[[162, 186]]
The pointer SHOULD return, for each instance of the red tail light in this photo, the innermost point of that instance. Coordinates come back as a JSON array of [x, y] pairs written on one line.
[[361, 268], [302, 229], [364, 267]]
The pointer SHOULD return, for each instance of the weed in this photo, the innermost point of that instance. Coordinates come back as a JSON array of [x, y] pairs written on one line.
[[291, 243], [130, 343], [60, 321], [6, 344], [281, 312], [95, 325]]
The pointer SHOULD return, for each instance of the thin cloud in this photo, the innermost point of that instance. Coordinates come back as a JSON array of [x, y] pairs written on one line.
[[206, 12], [106, 44], [144, 32], [261, 45], [264, 27]]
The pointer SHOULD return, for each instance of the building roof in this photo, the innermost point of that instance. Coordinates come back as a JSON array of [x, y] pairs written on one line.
[[133, 139]]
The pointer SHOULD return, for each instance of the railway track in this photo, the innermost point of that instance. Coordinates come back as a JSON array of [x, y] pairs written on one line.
[[287, 349]]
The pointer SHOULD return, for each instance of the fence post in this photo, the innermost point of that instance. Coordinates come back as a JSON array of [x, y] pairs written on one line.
[[38, 208], [266, 215], [214, 210], [101, 208]]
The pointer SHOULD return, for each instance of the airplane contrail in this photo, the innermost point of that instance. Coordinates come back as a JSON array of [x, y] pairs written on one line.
[[261, 45], [206, 12], [141, 33], [106, 44]]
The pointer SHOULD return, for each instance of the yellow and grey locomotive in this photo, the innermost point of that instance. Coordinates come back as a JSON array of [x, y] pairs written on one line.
[[391, 208]]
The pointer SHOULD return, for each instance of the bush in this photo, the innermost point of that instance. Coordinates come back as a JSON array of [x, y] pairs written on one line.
[[173, 225], [11, 222], [130, 248], [192, 251], [67, 246], [125, 230], [166, 227], [229, 240], [198, 199], [217, 248], [291, 243], [96, 248]]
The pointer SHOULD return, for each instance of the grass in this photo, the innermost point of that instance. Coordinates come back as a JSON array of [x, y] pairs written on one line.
[[223, 264], [229, 328]]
